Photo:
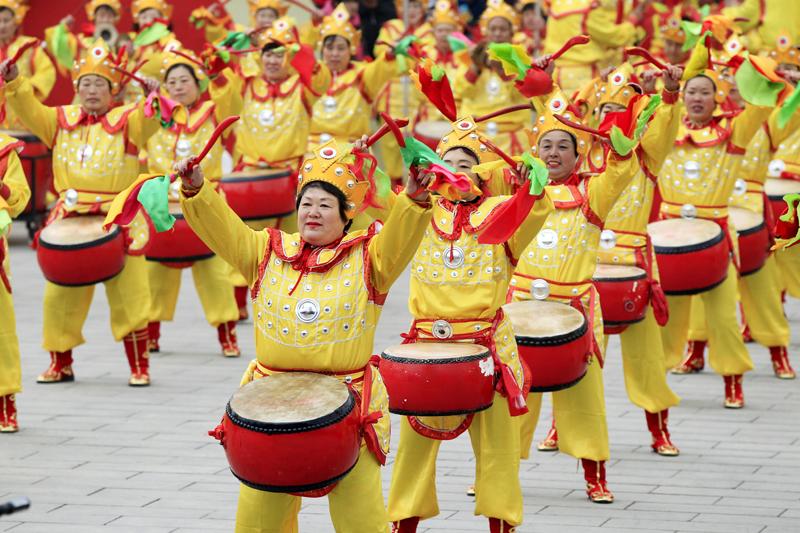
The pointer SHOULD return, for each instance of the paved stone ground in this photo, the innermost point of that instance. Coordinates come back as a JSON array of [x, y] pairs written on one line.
[[97, 455]]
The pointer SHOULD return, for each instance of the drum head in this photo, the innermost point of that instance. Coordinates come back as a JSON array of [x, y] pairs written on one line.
[[745, 219], [618, 272], [257, 174], [777, 188], [542, 319], [434, 129], [22, 135], [436, 351], [679, 232], [290, 398], [75, 230]]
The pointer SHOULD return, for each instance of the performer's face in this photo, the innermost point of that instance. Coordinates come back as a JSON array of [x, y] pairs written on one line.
[[336, 53], [698, 98], [273, 64], [105, 15], [610, 107], [8, 25], [441, 32], [532, 20], [265, 17], [182, 86], [499, 30], [463, 161], [416, 13], [557, 150], [319, 217], [147, 16], [674, 53], [94, 93]]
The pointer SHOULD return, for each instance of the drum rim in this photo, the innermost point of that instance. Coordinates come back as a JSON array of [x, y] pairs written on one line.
[[85, 284], [562, 386], [339, 414], [406, 412], [295, 488], [624, 322], [285, 173], [80, 246], [461, 359], [689, 248], [278, 215], [627, 278], [554, 340], [750, 231], [189, 259]]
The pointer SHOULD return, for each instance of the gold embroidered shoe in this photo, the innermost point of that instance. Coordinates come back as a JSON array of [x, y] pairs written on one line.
[[60, 369]]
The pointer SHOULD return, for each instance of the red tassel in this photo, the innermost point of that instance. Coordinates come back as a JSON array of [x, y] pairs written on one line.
[[304, 62], [659, 302]]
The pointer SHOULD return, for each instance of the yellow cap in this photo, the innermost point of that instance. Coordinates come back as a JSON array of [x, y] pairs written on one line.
[[161, 5], [338, 23], [100, 62], [444, 13], [277, 5], [282, 31], [619, 89], [18, 8], [671, 29], [547, 122], [92, 6], [498, 8], [785, 51], [333, 163], [465, 133]]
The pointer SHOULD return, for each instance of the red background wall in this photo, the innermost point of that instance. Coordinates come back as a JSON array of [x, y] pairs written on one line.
[[45, 13]]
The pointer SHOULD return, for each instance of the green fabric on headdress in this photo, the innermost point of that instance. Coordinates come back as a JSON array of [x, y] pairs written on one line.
[[538, 174], [513, 58], [61, 49], [154, 197], [236, 40], [755, 88], [151, 34], [788, 108], [417, 153]]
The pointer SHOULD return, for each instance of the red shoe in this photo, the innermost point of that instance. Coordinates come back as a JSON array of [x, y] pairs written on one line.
[[60, 369], [226, 333], [550, 442], [153, 334], [138, 358], [8, 414], [734, 395], [657, 424], [780, 362], [406, 525], [241, 300], [500, 526], [694, 361], [594, 472]]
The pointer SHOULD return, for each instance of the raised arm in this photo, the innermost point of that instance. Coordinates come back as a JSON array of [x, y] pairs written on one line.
[[662, 130], [40, 119], [226, 93], [604, 189]]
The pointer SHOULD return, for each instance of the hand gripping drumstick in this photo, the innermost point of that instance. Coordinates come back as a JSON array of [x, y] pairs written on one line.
[[22, 49], [218, 131]]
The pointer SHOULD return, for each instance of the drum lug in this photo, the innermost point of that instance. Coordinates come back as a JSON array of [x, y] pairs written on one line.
[[218, 433]]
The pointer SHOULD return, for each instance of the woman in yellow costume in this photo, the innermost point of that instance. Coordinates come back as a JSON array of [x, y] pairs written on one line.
[[14, 196], [532, 26], [34, 63], [67, 46], [153, 34], [317, 297], [95, 151], [697, 180], [449, 261], [562, 260], [186, 80]]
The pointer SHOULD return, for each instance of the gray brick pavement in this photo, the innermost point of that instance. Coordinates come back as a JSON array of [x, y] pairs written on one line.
[[97, 455]]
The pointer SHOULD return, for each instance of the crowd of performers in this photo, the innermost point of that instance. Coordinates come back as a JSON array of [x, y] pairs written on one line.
[[548, 150]]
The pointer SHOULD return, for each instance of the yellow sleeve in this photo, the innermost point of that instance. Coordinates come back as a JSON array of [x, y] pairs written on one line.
[[604, 189], [746, 124], [777, 135], [749, 10], [226, 93], [391, 250], [310, 34], [661, 133], [320, 82], [141, 128], [384, 209], [40, 119], [602, 28], [14, 177], [530, 226], [224, 232], [44, 73], [376, 74]]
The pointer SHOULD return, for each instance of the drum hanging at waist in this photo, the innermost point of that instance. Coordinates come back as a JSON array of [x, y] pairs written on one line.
[[754, 240], [179, 247], [255, 194], [624, 295]]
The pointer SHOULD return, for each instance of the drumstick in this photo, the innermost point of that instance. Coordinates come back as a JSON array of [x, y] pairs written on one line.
[[580, 127], [511, 109], [187, 56], [644, 54], [574, 41], [504, 156], [22, 49], [386, 128], [218, 131], [130, 75]]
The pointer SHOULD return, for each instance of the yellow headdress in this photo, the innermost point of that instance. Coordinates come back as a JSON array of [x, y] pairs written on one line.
[[338, 23], [277, 5], [92, 6], [546, 122], [619, 89], [671, 29], [177, 56], [498, 8], [333, 163], [282, 31], [100, 62], [785, 51], [161, 5], [465, 133], [19, 8], [443, 13]]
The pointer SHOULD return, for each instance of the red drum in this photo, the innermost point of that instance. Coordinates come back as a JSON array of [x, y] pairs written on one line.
[[77, 251], [776, 189], [37, 163], [692, 255], [261, 193], [431, 132], [624, 295], [754, 242], [291, 432], [438, 378], [554, 340], [178, 248]]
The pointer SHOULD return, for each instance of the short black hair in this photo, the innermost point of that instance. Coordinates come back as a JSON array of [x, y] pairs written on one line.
[[186, 66], [330, 39], [272, 45], [332, 190]]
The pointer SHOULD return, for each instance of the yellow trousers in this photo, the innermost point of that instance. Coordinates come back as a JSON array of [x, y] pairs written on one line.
[[788, 261], [760, 293], [727, 353], [643, 366], [580, 417], [65, 308], [214, 288], [356, 504], [10, 372], [495, 441]]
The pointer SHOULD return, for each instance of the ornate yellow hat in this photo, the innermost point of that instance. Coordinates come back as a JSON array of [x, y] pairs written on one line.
[[619, 89], [161, 5], [735, 45], [671, 29], [547, 122], [19, 8], [444, 13], [333, 163], [338, 23], [465, 133], [785, 51], [100, 62], [92, 6], [277, 5], [282, 31], [498, 8]]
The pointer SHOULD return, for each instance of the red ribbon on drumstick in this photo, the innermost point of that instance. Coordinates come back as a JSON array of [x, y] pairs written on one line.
[[21, 50], [215, 135]]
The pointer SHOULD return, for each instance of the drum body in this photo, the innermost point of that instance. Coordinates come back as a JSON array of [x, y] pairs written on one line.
[[554, 341], [754, 241], [291, 432], [776, 189], [76, 251], [37, 162], [179, 247], [438, 378], [431, 132], [624, 295], [693, 255], [260, 193]]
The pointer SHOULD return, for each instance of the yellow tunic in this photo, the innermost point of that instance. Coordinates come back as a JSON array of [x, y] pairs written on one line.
[[789, 260], [769, 18], [34, 65]]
